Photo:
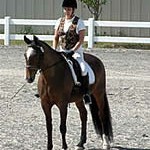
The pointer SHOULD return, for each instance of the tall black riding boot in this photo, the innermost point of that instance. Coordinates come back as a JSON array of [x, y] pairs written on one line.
[[85, 89]]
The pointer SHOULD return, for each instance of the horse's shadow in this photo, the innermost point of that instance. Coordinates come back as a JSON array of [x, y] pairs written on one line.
[[121, 148]]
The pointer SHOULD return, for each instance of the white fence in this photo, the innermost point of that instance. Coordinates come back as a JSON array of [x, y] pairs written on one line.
[[90, 23]]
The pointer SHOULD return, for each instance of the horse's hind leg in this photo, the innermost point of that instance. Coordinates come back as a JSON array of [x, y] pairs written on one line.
[[107, 125], [83, 117], [100, 107]]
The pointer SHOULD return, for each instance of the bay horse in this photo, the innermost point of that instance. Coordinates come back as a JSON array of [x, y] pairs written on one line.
[[56, 87]]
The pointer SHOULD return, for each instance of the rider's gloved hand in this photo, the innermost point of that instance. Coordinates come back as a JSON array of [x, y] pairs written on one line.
[[69, 53]]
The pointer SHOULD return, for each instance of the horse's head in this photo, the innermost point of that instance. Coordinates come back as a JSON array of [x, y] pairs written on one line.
[[33, 56]]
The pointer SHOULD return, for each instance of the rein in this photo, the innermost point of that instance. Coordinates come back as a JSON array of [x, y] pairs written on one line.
[[42, 70], [49, 67]]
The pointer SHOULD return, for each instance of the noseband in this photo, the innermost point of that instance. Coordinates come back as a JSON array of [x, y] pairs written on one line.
[[32, 67]]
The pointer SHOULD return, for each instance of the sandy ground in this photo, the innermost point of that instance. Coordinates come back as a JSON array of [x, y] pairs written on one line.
[[22, 122]]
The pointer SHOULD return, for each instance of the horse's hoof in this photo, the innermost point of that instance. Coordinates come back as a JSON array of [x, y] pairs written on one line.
[[79, 148], [37, 95], [106, 146], [106, 143]]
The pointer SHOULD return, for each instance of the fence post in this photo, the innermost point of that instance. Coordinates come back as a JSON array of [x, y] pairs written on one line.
[[6, 31], [90, 33]]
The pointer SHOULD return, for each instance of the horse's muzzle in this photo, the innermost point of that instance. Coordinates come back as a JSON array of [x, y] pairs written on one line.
[[30, 75], [29, 80]]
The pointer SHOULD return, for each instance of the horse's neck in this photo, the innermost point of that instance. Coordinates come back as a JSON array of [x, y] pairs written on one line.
[[51, 57], [56, 70]]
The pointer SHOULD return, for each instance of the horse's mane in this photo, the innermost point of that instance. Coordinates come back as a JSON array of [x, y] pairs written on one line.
[[52, 51], [50, 48], [44, 43]]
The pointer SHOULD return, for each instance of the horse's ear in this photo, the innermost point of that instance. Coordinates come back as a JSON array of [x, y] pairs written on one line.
[[35, 38], [28, 41]]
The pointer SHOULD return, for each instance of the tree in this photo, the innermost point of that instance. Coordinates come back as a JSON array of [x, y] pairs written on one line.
[[95, 7]]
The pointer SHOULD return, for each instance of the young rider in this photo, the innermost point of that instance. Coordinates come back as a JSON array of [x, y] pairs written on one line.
[[69, 35]]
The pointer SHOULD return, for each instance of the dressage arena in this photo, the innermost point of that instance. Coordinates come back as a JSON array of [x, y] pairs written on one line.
[[22, 121]]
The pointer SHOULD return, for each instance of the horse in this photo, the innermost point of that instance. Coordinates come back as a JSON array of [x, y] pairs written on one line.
[[56, 87]]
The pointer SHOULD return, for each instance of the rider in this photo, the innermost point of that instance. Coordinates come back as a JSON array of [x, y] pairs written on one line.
[[71, 31]]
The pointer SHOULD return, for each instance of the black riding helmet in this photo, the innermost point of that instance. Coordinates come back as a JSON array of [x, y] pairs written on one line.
[[69, 3]]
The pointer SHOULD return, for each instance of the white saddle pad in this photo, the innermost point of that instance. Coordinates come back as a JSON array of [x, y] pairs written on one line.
[[89, 70], [90, 73]]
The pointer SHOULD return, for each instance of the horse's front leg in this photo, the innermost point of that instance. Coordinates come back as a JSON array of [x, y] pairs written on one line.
[[47, 111], [83, 117], [63, 129]]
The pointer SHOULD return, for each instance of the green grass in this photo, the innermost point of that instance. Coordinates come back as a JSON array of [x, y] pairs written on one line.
[[96, 45], [122, 45], [19, 42], [1, 42]]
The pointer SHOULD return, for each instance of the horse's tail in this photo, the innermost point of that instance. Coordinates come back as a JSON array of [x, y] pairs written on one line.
[[98, 124]]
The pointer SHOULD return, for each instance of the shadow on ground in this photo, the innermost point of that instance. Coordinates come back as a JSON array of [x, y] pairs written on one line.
[[122, 148], [129, 148]]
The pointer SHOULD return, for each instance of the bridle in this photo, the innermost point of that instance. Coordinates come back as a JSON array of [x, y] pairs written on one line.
[[40, 53], [32, 67]]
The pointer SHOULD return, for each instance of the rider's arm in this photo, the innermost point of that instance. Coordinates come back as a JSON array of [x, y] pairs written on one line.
[[56, 35], [56, 39], [81, 40]]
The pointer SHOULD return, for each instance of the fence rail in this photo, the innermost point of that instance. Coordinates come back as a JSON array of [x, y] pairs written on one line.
[[90, 23]]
